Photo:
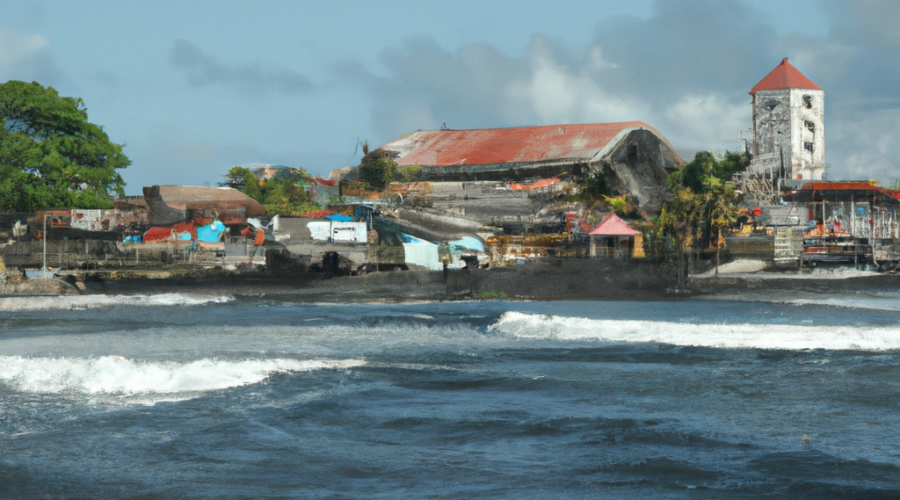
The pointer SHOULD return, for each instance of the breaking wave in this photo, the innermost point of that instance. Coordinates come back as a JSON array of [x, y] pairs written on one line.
[[81, 302], [118, 375], [741, 336]]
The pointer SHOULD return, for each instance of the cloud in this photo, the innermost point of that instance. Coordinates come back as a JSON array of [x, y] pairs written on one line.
[[202, 68], [686, 70], [26, 57]]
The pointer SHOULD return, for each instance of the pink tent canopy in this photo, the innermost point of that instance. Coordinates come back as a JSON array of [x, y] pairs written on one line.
[[612, 225]]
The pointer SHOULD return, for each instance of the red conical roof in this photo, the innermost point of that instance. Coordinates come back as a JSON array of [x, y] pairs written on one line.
[[784, 76]]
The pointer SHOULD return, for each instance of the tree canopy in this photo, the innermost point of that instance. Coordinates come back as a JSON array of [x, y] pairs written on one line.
[[702, 203], [281, 195], [377, 170], [699, 174], [51, 156]]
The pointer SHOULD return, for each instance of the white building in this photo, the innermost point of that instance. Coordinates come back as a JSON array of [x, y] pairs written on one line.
[[788, 126]]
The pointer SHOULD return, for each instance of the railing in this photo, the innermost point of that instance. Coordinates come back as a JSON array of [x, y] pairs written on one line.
[[612, 252]]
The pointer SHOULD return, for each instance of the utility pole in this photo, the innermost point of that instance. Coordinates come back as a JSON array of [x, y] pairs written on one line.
[[44, 269]]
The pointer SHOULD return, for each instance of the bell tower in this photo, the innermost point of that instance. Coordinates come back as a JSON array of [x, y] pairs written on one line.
[[788, 126]]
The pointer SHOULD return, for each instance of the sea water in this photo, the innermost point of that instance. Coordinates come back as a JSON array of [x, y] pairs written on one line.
[[220, 396]]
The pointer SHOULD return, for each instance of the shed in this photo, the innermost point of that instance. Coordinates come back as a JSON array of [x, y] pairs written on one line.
[[614, 238]]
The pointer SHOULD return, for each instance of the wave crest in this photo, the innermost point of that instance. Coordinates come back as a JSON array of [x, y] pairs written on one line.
[[118, 375], [736, 336], [81, 302]]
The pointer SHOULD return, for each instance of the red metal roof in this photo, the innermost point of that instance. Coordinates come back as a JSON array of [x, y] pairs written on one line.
[[508, 145], [612, 225], [325, 182], [318, 214], [893, 193], [840, 186], [538, 184], [163, 233], [784, 76]]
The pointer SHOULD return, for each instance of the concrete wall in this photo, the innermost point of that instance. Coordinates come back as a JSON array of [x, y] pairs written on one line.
[[638, 167]]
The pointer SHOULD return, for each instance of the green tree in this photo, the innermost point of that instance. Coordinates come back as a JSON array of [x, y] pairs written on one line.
[[282, 195], [701, 206], [731, 164], [244, 180], [678, 221], [377, 170], [697, 174], [50, 155], [717, 210]]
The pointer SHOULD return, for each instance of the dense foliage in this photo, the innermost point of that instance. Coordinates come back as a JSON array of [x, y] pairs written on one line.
[[281, 195], [377, 170], [702, 204], [700, 172], [50, 155]]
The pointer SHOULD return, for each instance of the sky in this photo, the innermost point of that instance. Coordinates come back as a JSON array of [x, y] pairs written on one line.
[[194, 88]]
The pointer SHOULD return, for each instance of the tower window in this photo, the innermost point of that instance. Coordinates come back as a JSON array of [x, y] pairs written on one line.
[[771, 104], [807, 101], [808, 146], [810, 126]]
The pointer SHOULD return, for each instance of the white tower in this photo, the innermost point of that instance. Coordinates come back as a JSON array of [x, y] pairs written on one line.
[[788, 126]]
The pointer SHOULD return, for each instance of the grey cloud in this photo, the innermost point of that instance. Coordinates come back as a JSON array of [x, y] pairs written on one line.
[[202, 68], [686, 70]]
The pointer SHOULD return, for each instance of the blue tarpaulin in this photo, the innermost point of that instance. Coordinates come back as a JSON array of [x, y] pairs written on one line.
[[469, 243], [211, 233], [339, 218]]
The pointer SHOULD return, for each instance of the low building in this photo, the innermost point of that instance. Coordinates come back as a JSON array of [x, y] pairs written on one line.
[[634, 158], [169, 205], [614, 238]]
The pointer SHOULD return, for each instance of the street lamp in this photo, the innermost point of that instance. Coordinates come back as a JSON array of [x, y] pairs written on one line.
[[44, 269]]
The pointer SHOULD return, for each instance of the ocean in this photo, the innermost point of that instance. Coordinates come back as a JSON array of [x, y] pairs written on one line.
[[193, 395]]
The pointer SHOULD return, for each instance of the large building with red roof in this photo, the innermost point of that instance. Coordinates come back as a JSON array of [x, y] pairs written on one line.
[[788, 126], [634, 158]]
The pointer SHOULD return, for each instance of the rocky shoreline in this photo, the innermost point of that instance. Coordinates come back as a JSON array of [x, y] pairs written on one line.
[[560, 279]]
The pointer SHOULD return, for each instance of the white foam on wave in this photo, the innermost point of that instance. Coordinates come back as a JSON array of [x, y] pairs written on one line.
[[735, 336], [82, 302], [875, 303], [118, 375]]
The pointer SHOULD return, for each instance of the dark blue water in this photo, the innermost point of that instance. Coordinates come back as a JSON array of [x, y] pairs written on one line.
[[139, 397]]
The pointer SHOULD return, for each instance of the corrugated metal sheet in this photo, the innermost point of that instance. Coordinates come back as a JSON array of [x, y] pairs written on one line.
[[840, 186], [318, 214], [784, 76], [539, 184], [444, 148]]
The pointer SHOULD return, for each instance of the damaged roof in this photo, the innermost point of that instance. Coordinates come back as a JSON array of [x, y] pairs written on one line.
[[443, 148], [784, 76]]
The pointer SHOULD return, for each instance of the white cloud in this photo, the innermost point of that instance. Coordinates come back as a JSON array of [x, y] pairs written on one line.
[[872, 138], [25, 57], [707, 121]]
